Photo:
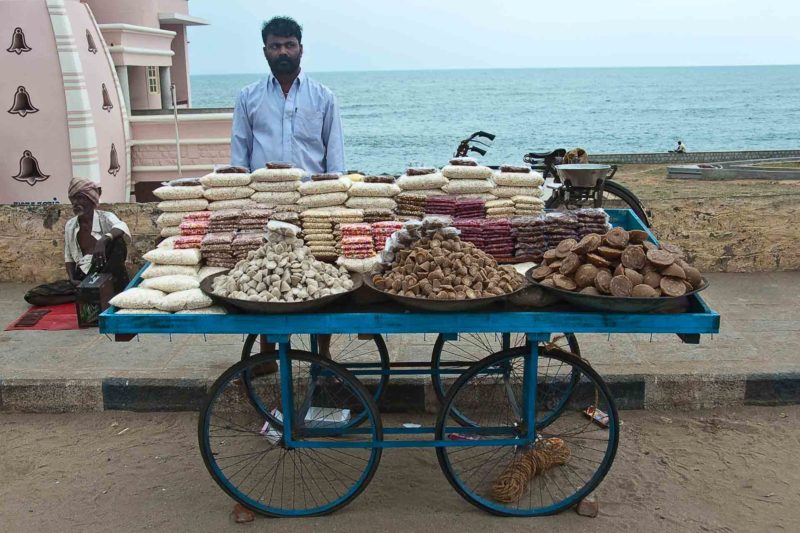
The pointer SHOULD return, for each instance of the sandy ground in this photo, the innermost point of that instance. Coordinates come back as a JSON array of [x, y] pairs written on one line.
[[733, 470]]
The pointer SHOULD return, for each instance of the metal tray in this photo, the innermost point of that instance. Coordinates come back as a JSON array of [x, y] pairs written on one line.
[[272, 308], [616, 304], [583, 174], [442, 306]]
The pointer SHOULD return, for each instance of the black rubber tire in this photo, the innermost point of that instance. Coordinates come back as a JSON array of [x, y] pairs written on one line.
[[243, 366], [585, 369]]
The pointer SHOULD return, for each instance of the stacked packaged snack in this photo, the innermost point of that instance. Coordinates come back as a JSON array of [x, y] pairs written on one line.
[[217, 249], [382, 231], [357, 241], [522, 186], [501, 208], [426, 181], [467, 178], [174, 209], [254, 220], [276, 186], [318, 233], [471, 231], [592, 221], [224, 221], [324, 190], [227, 188], [244, 243], [411, 205], [372, 215], [498, 241], [375, 192], [441, 205], [470, 208], [560, 226], [343, 215], [529, 233]]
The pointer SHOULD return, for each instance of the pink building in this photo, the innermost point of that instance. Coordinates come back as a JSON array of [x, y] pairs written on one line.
[[89, 85]]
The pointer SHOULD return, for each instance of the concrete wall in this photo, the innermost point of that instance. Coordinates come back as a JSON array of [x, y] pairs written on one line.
[[720, 235], [691, 157]]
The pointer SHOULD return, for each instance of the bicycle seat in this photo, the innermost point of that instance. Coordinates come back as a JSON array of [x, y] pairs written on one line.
[[559, 152]]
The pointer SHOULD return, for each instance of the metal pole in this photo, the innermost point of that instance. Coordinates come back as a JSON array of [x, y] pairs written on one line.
[[177, 133]]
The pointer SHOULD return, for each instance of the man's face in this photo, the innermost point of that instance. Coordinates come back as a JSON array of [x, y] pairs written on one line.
[[81, 205], [283, 54]]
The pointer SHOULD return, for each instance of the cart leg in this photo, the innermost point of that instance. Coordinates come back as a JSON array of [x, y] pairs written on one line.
[[287, 395]]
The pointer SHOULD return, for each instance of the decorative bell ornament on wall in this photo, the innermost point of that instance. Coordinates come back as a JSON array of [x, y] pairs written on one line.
[[107, 105], [90, 41], [18, 44], [113, 166], [22, 103], [29, 169]]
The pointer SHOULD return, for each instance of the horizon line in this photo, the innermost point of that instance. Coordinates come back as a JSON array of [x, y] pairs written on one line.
[[510, 68]]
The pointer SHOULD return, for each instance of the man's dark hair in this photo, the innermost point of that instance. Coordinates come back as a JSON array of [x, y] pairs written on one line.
[[282, 27]]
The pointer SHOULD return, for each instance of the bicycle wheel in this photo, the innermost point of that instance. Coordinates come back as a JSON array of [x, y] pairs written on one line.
[[471, 348], [479, 393], [344, 349], [248, 456], [615, 196]]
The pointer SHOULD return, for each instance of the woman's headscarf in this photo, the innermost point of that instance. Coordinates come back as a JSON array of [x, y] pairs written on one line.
[[81, 187]]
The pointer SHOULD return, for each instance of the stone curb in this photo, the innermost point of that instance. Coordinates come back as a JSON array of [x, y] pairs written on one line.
[[684, 392]]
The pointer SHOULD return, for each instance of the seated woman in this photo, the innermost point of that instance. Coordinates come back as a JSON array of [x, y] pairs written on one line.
[[94, 241]]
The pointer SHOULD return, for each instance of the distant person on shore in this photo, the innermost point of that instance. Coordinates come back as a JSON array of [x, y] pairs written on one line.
[[94, 241], [287, 116], [681, 149]]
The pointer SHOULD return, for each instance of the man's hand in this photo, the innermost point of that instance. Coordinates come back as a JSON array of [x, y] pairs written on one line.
[[75, 282], [99, 254]]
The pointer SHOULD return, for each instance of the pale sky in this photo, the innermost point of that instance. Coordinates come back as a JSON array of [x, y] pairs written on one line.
[[357, 35]]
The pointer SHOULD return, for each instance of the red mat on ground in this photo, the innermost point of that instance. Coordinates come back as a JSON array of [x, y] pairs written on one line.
[[59, 318]]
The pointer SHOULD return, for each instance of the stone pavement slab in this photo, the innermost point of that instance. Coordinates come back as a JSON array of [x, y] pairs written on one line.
[[754, 359]]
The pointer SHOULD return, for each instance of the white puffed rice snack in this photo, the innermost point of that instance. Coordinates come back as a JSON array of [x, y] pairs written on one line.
[[170, 284], [168, 192], [198, 204], [137, 298], [161, 256], [225, 180]]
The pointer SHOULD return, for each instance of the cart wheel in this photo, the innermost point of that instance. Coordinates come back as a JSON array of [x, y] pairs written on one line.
[[344, 349], [479, 394], [472, 347], [248, 457]]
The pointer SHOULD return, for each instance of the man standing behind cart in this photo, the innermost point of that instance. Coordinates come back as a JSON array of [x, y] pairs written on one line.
[[287, 116]]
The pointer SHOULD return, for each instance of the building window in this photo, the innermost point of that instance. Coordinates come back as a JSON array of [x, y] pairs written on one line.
[[153, 80]]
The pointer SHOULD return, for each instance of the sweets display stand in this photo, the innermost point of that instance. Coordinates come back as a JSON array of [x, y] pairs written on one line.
[[306, 439]]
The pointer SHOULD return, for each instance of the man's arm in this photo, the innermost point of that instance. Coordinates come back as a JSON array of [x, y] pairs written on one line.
[[333, 137], [241, 134]]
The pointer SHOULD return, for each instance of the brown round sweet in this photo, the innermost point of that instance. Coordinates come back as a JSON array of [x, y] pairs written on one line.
[[689, 287], [589, 243], [570, 264], [603, 281], [649, 245], [555, 265], [617, 237], [660, 258], [638, 236], [598, 261], [621, 286], [634, 257], [673, 286], [279, 165], [609, 253], [620, 270], [563, 282], [565, 247], [693, 276], [548, 283], [635, 277], [550, 255], [671, 248], [541, 272], [591, 291], [585, 275], [674, 271], [653, 279], [644, 291]]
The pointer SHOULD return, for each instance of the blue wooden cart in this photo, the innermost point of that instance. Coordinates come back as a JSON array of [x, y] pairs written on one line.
[[291, 433]]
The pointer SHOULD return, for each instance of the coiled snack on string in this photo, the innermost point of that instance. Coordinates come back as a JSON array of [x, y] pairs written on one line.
[[545, 454]]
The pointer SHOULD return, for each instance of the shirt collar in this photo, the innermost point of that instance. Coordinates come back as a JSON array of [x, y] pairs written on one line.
[[95, 223], [273, 81]]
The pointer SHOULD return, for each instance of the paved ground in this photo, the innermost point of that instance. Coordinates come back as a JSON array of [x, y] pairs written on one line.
[[726, 470], [758, 340]]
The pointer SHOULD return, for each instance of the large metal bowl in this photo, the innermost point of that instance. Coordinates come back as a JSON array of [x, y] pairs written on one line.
[[272, 308], [614, 304], [441, 306], [583, 174]]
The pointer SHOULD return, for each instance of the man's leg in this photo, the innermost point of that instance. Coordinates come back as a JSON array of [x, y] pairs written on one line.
[[116, 255]]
